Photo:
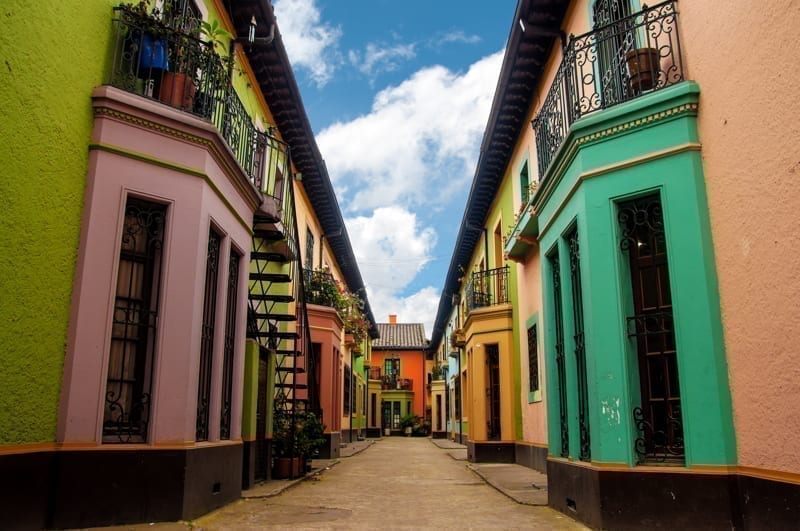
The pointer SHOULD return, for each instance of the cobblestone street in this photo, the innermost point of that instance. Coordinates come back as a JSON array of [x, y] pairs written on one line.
[[395, 483]]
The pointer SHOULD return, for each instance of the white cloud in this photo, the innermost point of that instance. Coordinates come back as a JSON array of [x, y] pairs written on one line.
[[391, 248], [456, 36], [419, 143], [378, 58], [310, 44]]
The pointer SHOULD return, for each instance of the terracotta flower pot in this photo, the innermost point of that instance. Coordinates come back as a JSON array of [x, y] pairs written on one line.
[[644, 65], [177, 90]]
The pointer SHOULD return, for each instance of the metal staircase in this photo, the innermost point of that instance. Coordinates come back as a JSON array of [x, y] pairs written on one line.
[[277, 317]]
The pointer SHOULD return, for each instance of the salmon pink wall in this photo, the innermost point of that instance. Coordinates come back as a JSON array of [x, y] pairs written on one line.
[[326, 329], [748, 124]]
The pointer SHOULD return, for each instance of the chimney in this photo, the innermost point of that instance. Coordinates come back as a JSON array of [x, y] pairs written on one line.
[[392, 318]]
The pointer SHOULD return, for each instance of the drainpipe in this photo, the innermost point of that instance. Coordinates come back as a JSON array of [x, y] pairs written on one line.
[[350, 394]]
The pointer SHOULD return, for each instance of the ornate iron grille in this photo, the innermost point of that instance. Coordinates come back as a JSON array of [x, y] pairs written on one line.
[[321, 288], [207, 337], [533, 360], [561, 369], [611, 64], [493, 427], [487, 288], [230, 345], [580, 345], [133, 329], [658, 419]]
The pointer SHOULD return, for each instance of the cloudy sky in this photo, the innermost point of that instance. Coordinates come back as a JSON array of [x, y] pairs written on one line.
[[398, 95]]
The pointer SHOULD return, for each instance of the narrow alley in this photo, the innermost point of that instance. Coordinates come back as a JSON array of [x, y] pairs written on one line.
[[394, 483]]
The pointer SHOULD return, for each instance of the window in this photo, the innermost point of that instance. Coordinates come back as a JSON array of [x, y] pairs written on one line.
[[580, 350], [347, 390], [134, 325], [524, 184], [457, 397], [230, 345], [493, 391], [533, 360], [207, 336], [613, 43], [308, 262], [561, 369]]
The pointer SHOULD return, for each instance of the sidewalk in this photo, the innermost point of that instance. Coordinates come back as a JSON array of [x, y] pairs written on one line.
[[273, 487], [520, 483]]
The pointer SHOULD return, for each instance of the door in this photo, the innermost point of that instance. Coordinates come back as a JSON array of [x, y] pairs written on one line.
[[261, 421], [493, 391], [658, 420]]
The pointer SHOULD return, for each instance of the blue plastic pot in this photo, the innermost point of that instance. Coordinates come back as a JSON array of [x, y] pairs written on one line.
[[154, 54]]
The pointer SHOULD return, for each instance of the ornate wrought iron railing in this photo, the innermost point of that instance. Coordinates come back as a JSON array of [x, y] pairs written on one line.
[[374, 373], [609, 65], [487, 288], [389, 383], [171, 64]]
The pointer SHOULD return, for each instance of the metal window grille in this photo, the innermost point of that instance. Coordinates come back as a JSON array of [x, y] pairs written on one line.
[[658, 419], [533, 360], [580, 346], [230, 346], [561, 369], [135, 321], [207, 336]]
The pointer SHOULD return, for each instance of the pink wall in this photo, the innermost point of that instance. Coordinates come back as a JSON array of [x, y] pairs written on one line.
[[190, 170], [326, 329], [743, 59]]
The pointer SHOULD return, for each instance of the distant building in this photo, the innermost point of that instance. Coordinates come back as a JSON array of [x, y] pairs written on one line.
[[397, 376]]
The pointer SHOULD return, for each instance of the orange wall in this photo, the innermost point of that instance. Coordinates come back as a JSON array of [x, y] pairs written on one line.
[[412, 365]]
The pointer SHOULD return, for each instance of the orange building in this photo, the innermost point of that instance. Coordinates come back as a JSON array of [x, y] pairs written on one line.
[[396, 376]]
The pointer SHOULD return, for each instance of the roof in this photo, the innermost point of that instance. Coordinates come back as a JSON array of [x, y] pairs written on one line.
[[396, 336], [534, 31], [277, 82]]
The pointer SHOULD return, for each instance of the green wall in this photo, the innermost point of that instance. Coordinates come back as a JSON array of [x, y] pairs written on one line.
[[51, 57], [612, 368]]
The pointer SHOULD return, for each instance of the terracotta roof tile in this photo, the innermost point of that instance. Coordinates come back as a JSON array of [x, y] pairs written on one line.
[[400, 335]]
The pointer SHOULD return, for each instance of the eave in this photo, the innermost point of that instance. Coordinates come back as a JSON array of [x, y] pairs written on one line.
[[276, 80], [527, 51]]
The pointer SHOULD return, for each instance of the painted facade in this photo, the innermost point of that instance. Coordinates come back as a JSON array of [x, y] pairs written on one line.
[[174, 307], [622, 244], [397, 378]]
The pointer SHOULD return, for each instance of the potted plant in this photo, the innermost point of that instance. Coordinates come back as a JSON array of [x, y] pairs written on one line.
[[287, 461], [407, 422], [145, 43], [310, 437]]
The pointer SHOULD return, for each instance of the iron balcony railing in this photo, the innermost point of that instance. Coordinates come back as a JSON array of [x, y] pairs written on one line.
[[487, 288], [389, 383], [374, 373], [321, 288], [612, 64], [164, 61]]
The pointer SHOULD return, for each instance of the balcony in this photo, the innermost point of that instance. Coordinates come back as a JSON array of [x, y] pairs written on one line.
[[610, 65], [374, 373], [487, 288], [321, 288], [165, 62], [392, 383]]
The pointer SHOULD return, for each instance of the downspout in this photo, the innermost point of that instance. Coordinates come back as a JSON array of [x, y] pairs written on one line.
[[350, 394]]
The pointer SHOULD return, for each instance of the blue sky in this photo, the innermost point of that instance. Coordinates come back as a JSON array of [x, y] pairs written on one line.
[[398, 95]]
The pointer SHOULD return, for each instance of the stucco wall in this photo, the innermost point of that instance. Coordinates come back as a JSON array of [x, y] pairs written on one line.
[[742, 58], [48, 70]]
